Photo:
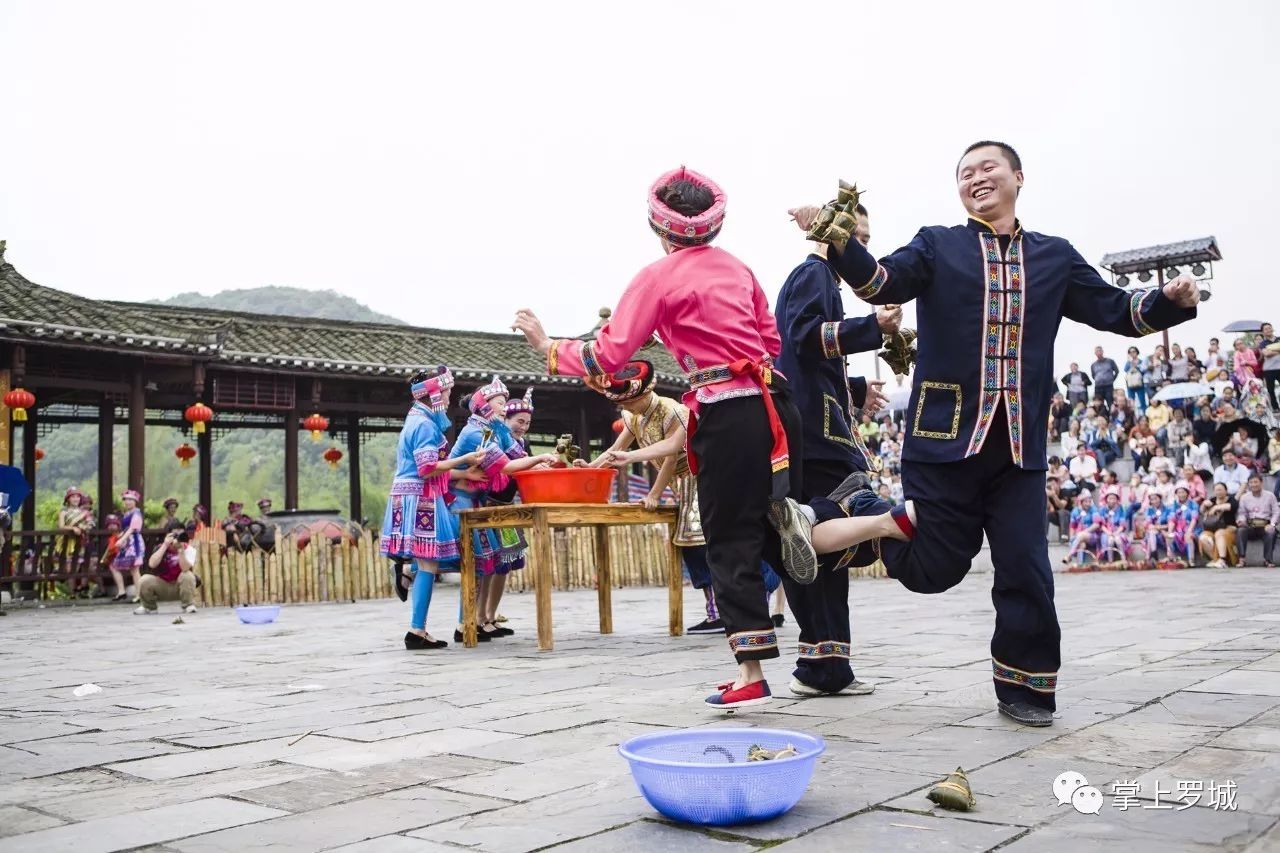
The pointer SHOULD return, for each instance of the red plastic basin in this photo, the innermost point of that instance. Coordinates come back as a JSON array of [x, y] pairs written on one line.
[[566, 485]]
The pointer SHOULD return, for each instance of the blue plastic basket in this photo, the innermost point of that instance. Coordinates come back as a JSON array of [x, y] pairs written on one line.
[[259, 615], [702, 775]]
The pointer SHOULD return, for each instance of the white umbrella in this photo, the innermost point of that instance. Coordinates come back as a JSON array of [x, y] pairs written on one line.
[[1183, 391]]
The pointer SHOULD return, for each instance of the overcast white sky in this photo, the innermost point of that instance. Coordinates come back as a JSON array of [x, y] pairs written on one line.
[[448, 164]]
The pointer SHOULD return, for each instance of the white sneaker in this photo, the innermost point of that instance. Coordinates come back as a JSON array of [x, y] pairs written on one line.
[[190, 608], [142, 611], [857, 688]]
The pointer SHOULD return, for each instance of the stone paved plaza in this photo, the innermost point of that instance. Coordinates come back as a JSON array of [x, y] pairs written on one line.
[[195, 742]]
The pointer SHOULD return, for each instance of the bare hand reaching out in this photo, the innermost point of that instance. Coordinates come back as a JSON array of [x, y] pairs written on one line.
[[889, 318], [527, 323]]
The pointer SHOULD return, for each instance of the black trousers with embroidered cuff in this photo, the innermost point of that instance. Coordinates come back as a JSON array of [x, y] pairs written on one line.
[[821, 608], [733, 444], [955, 503]]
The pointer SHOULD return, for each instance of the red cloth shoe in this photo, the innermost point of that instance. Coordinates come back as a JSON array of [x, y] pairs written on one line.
[[755, 693]]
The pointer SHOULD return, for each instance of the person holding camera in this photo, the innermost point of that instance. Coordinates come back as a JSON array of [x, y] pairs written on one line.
[[172, 576]]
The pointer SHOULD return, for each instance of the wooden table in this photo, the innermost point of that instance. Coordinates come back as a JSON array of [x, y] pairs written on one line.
[[541, 518]]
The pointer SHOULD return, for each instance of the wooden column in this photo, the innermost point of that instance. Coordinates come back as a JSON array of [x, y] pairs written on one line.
[[106, 464], [353, 466], [29, 430], [204, 447], [138, 433], [291, 459]]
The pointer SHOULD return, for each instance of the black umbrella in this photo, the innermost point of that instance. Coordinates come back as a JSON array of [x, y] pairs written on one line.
[[1244, 326], [1222, 435]]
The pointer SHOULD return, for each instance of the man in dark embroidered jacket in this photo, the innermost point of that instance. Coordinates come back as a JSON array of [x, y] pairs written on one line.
[[990, 297], [816, 337]]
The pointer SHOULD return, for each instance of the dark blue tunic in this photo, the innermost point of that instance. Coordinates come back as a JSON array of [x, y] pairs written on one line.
[[988, 309], [815, 339]]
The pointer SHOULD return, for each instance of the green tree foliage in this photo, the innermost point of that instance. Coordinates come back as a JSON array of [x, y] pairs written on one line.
[[248, 464]]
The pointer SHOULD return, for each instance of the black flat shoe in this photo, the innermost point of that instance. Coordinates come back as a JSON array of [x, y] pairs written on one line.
[[397, 572], [414, 643], [481, 636], [1027, 714], [501, 631], [778, 620]]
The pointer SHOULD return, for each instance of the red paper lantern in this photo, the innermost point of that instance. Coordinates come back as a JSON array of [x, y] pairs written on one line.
[[332, 456], [39, 456], [185, 454], [198, 414], [317, 424], [619, 426], [20, 399]]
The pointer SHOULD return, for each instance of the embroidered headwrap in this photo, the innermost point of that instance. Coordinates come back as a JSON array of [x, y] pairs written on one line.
[[264, 504], [679, 228], [168, 502], [130, 495], [432, 387], [521, 404], [234, 508], [201, 512], [73, 491], [480, 400], [111, 519], [633, 380]]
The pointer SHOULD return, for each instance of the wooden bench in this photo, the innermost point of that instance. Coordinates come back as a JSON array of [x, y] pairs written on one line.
[[541, 519]]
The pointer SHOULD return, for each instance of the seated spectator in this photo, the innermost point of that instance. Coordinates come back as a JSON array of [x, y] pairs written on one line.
[[1231, 473], [1215, 363], [895, 489], [1244, 363], [1257, 518], [1070, 440], [1218, 518], [1059, 510], [1155, 531], [1084, 469], [1134, 494], [1160, 461], [1245, 447], [1122, 413], [1273, 452], [1194, 364], [1193, 483], [1175, 436], [1110, 481], [1100, 405], [172, 563], [1139, 434], [1159, 414], [1204, 427], [1184, 525], [1226, 397], [1104, 442], [868, 429], [1229, 414], [1164, 485], [1086, 527], [1145, 453]]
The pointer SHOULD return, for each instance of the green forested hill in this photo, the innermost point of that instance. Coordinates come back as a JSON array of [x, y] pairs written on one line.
[[247, 464], [290, 301]]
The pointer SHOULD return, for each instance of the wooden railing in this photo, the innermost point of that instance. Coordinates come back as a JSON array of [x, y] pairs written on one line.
[[321, 571]]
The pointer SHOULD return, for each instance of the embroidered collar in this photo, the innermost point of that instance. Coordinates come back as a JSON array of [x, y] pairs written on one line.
[[984, 227]]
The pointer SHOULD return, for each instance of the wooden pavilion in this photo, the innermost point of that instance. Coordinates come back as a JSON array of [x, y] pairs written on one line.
[[103, 362]]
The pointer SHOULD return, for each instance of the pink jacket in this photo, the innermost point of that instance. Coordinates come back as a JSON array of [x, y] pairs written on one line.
[[707, 307]]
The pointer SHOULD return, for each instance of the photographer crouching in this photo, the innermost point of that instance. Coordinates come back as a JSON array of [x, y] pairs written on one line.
[[173, 577]]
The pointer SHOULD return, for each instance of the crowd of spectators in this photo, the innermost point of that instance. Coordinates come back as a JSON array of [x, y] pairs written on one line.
[[1170, 454]]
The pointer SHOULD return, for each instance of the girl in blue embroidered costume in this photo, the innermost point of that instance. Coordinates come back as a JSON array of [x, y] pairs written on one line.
[[519, 418], [418, 531], [989, 299], [486, 433]]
